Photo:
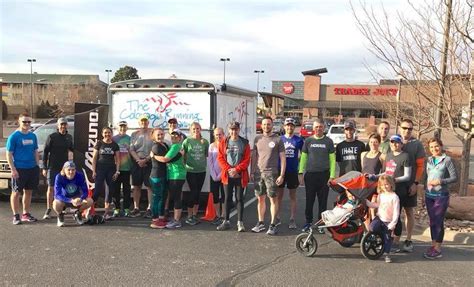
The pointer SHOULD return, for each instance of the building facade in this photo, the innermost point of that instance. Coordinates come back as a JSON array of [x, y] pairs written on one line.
[[22, 91]]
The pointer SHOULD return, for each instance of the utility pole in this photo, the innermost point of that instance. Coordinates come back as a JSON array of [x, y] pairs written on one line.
[[444, 60]]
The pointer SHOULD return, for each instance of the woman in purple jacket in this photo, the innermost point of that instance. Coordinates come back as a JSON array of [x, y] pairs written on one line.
[[70, 189]]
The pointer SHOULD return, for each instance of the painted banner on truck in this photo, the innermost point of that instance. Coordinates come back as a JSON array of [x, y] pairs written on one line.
[[186, 107], [89, 119]]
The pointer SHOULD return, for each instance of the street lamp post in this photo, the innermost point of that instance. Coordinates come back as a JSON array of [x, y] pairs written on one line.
[[225, 60], [258, 72], [397, 112], [108, 71], [31, 83]]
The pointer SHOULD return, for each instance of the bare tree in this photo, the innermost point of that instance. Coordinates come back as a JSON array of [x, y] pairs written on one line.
[[433, 60]]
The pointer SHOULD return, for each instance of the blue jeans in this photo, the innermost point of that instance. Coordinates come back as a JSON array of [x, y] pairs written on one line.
[[378, 226]]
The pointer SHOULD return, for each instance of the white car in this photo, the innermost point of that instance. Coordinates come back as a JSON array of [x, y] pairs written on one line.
[[336, 133]]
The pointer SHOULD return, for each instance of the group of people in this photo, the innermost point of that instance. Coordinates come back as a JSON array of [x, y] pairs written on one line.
[[163, 160]]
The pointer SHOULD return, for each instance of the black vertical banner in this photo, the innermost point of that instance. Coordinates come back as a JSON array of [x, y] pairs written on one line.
[[89, 119]]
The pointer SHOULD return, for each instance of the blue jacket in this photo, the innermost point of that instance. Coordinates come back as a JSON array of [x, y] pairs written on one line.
[[444, 170], [67, 189]]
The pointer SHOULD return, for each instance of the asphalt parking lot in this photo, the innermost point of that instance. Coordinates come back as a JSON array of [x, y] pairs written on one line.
[[126, 252]]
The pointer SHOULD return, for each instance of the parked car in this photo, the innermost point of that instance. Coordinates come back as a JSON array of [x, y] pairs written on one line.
[[259, 126], [278, 127], [5, 171], [327, 124], [306, 129], [336, 133], [297, 121]]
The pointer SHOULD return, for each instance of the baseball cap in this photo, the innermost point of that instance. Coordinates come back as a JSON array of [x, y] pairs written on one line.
[[144, 117], [69, 164], [396, 138], [62, 121], [172, 121], [234, 125], [349, 125], [177, 132], [122, 123], [289, 121]]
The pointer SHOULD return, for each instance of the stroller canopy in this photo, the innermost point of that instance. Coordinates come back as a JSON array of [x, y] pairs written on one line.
[[356, 183]]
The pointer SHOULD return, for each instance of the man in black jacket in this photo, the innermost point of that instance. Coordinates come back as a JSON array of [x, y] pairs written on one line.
[[57, 150]]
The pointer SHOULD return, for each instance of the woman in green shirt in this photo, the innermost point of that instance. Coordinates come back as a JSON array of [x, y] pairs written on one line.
[[196, 149], [176, 177]]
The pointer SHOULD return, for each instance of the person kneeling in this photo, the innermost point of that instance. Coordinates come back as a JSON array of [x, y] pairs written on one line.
[[70, 190]]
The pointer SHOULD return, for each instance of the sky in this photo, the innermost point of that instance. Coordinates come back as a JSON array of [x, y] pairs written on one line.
[[187, 38]]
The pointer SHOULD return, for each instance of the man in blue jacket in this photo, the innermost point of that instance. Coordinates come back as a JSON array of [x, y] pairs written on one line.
[[70, 189]]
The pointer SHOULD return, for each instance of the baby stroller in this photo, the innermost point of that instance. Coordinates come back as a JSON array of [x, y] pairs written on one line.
[[345, 222]]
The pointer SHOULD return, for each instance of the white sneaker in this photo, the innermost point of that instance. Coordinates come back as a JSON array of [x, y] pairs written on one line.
[[240, 226]]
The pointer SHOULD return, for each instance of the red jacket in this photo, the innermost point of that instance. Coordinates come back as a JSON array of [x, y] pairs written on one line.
[[242, 167]]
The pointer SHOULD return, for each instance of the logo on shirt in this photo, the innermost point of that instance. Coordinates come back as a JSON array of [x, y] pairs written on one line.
[[289, 150], [106, 150], [317, 145], [27, 141], [71, 188], [271, 144], [390, 167]]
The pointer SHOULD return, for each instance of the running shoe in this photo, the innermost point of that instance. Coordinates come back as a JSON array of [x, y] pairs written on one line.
[[61, 219], [224, 225], [388, 259], [190, 220], [277, 221], [116, 213], [434, 254], [78, 217], [428, 251], [126, 212], [147, 214], [395, 248], [107, 216], [408, 246], [216, 221], [135, 212], [196, 219], [154, 223], [16, 219], [28, 217], [260, 226], [240, 226], [306, 227], [292, 224], [161, 223], [47, 214], [173, 224], [272, 229]]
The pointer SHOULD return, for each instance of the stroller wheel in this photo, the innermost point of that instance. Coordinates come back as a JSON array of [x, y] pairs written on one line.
[[372, 245], [306, 244]]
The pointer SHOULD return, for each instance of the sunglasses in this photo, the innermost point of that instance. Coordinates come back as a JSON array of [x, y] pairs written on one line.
[[26, 122], [407, 128]]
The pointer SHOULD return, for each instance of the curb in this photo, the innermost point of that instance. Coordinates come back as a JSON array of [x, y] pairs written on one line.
[[450, 236]]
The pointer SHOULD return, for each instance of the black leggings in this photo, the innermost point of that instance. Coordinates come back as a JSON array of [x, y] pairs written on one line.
[[195, 182], [104, 173], [234, 183], [123, 180], [175, 187], [316, 183], [217, 189]]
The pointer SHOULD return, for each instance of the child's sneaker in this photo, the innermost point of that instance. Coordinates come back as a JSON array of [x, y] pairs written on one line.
[[388, 259], [78, 217]]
